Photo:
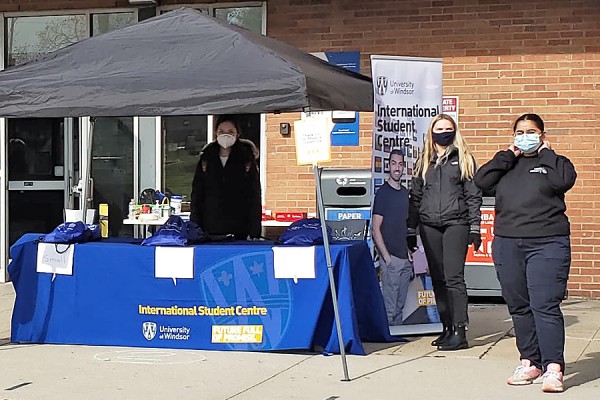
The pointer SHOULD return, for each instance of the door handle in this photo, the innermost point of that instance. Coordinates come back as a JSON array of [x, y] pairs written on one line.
[[90, 198]]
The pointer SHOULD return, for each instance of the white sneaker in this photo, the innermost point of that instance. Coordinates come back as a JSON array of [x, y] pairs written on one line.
[[524, 374], [553, 379]]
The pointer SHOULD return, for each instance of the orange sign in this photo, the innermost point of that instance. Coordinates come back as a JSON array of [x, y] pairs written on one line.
[[483, 256]]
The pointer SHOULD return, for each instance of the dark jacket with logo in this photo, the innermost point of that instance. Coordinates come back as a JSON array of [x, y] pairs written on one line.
[[530, 193], [226, 199], [444, 198]]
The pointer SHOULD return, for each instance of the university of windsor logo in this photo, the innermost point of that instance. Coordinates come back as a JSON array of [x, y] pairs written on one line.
[[149, 330], [382, 85]]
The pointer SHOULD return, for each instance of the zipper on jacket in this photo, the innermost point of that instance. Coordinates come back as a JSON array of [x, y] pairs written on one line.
[[440, 197]]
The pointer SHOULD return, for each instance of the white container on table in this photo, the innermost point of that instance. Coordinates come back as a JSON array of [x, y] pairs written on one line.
[[176, 204]]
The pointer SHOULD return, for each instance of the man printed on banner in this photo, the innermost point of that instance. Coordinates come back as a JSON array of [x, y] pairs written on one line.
[[389, 225]]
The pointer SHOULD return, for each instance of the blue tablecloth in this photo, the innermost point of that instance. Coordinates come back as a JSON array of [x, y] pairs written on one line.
[[109, 298]]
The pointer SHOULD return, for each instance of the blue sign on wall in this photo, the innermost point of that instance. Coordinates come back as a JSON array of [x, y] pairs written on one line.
[[346, 129]]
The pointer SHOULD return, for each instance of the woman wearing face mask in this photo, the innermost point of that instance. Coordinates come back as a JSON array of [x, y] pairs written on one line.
[[447, 205], [531, 247], [226, 189]]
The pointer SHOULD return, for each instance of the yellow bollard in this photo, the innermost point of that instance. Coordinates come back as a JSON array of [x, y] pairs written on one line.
[[103, 211]]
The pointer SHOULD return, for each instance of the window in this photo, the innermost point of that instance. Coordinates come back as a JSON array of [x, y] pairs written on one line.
[[184, 137], [29, 37], [250, 18], [104, 23], [183, 140]]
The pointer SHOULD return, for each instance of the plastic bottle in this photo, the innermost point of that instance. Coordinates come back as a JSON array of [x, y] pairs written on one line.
[[132, 209], [156, 209]]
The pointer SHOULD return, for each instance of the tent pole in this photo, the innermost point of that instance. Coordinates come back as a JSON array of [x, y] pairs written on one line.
[[334, 296], [85, 191]]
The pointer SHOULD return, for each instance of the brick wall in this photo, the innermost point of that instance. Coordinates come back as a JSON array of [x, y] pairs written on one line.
[[501, 57]]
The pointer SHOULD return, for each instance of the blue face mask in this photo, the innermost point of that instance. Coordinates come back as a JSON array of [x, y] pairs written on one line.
[[527, 142]]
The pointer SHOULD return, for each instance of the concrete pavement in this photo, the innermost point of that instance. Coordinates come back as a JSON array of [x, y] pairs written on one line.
[[412, 370]]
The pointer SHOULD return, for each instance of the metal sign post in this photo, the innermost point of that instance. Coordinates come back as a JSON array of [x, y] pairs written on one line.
[[334, 296], [313, 145]]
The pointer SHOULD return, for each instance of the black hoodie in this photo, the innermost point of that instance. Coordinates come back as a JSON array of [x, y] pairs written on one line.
[[530, 193]]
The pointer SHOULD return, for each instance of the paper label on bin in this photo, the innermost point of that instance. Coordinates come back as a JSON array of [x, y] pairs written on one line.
[[55, 258], [174, 263], [294, 262]]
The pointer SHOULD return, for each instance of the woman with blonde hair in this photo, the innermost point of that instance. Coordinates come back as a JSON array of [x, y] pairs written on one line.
[[445, 203]]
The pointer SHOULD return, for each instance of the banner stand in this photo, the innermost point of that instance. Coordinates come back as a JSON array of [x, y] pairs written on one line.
[[334, 297], [407, 95], [416, 329]]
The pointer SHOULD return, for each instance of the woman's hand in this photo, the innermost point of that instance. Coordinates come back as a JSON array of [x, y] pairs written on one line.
[[515, 150]]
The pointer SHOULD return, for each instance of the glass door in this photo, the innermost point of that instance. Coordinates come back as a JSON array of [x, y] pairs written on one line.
[[112, 171], [38, 165], [36, 175]]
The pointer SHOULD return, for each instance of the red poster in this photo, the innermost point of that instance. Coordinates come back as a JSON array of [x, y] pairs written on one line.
[[450, 105], [483, 256]]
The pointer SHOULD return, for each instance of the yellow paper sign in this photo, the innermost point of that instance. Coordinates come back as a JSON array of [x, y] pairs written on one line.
[[313, 139], [237, 333]]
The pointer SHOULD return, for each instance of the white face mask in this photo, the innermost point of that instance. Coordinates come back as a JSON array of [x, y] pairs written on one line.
[[226, 140]]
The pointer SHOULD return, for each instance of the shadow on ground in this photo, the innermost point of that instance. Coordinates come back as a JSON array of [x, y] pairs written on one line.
[[583, 371]]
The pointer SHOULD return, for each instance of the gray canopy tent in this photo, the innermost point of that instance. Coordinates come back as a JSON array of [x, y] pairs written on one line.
[[181, 63], [178, 63]]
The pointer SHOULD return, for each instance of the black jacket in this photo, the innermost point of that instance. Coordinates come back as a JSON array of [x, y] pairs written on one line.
[[530, 193], [444, 198], [226, 199]]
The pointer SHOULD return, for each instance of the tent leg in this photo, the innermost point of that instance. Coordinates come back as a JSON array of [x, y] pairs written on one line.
[[85, 191], [334, 297]]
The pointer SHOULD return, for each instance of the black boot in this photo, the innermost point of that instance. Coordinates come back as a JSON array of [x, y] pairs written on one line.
[[457, 340], [446, 333]]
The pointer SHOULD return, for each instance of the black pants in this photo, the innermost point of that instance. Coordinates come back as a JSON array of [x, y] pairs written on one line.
[[533, 274], [446, 250]]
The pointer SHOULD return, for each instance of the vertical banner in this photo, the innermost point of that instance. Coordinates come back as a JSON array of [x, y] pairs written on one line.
[[407, 95]]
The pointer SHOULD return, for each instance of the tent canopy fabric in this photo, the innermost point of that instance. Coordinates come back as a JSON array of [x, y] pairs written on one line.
[[179, 63]]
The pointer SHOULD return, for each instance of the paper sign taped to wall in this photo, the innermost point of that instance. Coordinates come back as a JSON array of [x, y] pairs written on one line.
[[174, 262], [55, 258], [313, 139], [294, 262]]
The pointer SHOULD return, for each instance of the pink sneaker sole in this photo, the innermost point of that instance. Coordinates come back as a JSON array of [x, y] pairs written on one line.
[[554, 388]]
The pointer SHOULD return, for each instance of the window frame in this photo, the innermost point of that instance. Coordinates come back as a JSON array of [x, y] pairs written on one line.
[[57, 13]]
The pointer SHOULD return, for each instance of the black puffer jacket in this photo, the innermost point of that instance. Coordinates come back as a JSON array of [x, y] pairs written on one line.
[[226, 199], [444, 199]]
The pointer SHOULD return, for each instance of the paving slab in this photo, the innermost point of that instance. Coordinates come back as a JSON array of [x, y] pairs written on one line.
[[409, 370]]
